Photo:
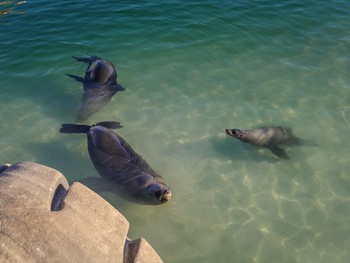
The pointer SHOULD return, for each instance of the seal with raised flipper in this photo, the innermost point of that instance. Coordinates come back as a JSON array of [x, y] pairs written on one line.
[[117, 162], [270, 137], [100, 85]]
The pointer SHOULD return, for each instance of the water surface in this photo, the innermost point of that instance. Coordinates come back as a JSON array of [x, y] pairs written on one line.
[[190, 70]]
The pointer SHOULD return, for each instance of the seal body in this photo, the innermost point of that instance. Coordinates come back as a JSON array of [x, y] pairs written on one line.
[[269, 137], [100, 85], [118, 163]]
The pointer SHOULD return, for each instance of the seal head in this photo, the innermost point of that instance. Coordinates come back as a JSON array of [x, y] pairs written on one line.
[[238, 134]]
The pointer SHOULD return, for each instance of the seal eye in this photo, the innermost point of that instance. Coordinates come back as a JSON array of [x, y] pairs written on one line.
[[158, 194], [236, 133]]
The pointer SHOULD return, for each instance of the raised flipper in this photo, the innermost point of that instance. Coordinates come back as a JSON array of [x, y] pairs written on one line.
[[81, 128], [86, 60], [120, 87], [77, 78], [74, 128], [279, 152]]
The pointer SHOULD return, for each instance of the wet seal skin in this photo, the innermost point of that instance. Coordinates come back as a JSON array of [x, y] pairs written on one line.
[[118, 163], [100, 85], [270, 137]]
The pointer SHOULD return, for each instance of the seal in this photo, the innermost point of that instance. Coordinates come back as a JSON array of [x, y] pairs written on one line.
[[269, 137], [117, 162], [100, 85]]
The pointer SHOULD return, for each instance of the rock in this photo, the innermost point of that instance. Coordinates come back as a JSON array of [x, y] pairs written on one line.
[[42, 219], [139, 251]]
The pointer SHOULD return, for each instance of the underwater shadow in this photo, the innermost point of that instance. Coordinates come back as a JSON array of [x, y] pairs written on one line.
[[109, 192], [51, 98], [235, 150], [96, 184], [59, 156]]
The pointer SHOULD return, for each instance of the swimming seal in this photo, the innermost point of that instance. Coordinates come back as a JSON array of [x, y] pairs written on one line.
[[100, 85], [117, 162], [269, 137]]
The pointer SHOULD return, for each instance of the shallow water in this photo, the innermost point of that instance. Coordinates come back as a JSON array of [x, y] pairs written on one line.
[[190, 70]]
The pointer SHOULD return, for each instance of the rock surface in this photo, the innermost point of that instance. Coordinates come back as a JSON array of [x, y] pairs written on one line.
[[42, 219]]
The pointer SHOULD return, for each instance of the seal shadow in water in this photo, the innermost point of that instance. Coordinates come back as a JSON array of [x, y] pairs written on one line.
[[216, 146], [107, 191], [99, 185], [51, 102], [236, 150], [57, 155]]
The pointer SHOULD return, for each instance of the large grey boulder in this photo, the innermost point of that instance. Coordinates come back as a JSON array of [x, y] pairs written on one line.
[[42, 219]]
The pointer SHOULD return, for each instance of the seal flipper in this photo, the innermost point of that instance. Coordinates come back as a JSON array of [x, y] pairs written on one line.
[[279, 152], [119, 87], [74, 128], [81, 128], [77, 78]]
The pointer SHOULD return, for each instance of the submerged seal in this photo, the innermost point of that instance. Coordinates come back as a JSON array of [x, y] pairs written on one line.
[[269, 137], [100, 85], [117, 162]]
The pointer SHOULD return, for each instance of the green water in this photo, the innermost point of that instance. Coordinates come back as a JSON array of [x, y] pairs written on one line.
[[190, 70]]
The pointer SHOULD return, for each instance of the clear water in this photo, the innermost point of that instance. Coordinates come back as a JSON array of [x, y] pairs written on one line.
[[192, 69]]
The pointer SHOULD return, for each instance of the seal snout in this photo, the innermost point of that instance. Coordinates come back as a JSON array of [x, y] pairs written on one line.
[[165, 196], [234, 133], [229, 132]]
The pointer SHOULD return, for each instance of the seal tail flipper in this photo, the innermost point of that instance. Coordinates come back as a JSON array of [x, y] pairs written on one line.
[[81, 128], [86, 60], [74, 128], [77, 78], [120, 87], [110, 124], [279, 152]]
